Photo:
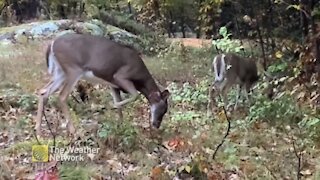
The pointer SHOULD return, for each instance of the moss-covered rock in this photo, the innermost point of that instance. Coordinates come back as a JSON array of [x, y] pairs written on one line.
[[54, 28]]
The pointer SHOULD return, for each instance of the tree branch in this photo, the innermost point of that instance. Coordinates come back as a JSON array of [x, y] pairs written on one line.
[[226, 134]]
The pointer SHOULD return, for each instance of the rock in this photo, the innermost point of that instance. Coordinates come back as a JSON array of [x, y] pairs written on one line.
[[6, 36], [89, 28], [46, 29], [64, 32]]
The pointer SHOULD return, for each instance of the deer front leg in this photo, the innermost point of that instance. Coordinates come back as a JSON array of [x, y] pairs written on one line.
[[128, 86], [238, 97], [246, 93]]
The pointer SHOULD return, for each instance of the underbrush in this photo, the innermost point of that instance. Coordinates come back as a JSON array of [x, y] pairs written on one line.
[[261, 143]]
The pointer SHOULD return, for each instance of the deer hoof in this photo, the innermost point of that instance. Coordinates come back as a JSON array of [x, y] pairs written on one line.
[[38, 132], [114, 106], [71, 129]]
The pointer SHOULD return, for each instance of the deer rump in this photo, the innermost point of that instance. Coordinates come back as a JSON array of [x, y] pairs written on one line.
[[230, 69]]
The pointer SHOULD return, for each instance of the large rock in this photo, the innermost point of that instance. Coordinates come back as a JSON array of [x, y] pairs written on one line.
[[54, 28]]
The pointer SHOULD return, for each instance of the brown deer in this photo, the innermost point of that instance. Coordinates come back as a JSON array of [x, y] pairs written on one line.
[[230, 69], [96, 59]]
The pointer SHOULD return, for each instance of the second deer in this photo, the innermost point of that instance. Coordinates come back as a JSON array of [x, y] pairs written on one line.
[[229, 70]]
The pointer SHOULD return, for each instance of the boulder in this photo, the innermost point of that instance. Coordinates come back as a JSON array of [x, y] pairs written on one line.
[[54, 28]]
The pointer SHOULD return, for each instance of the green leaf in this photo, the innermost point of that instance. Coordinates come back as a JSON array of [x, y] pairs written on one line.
[[223, 31]]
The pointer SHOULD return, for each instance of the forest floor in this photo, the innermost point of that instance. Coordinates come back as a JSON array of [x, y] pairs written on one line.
[[182, 149]]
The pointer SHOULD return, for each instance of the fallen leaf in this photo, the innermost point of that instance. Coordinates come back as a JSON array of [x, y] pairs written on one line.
[[306, 172], [156, 172], [187, 168], [278, 54]]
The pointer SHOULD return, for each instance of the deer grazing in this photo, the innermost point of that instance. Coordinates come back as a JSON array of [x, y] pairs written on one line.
[[96, 59], [230, 69]]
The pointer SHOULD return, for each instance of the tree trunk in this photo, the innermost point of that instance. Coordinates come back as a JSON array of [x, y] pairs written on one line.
[[170, 24], [82, 8], [118, 7], [61, 11], [303, 19], [129, 7], [198, 32], [182, 22]]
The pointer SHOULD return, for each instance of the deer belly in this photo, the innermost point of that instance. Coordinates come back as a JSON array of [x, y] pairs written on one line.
[[90, 77]]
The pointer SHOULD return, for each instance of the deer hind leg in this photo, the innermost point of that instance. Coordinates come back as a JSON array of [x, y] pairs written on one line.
[[45, 92], [223, 90], [238, 96], [71, 81], [210, 100], [117, 98]]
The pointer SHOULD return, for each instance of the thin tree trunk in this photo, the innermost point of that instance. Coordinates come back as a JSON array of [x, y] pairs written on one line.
[[264, 63], [129, 7], [182, 25]]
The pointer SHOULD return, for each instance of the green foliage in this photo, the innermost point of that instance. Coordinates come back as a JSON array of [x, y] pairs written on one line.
[[278, 111], [125, 22], [208, 12], [27, 102], [231, 159], [225, 43], [70, 172], [188, 94], [24, 121], [185, 116], [278, 67], [126, 133], [312, 124]]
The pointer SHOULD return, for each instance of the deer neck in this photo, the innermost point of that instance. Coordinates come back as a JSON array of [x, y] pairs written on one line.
[[148, 88]]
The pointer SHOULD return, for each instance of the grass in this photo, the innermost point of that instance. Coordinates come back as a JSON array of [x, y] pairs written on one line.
[[26, 66], [257, 150]]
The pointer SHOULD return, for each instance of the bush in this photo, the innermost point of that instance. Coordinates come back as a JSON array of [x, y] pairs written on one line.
[[226, 44], [279, 110], [189, 95]]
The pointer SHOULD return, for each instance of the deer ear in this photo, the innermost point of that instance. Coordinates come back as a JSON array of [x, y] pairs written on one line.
[[165, 94]]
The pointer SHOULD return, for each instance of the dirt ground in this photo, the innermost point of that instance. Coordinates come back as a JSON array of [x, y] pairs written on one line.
[[192, 42]]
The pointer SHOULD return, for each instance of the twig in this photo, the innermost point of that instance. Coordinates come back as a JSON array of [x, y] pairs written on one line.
[[227, 132], [298, 155], [271, 173], [75, 98], [49, 127]]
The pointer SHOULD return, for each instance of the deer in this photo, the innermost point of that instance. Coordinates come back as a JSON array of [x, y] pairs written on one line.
[[96, 59], [229, 70]]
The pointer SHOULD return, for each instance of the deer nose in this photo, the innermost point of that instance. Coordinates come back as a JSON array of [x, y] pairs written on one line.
[[156, 124]]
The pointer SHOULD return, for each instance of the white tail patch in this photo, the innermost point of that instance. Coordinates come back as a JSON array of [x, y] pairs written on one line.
[[54, 69], [219, 74]]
